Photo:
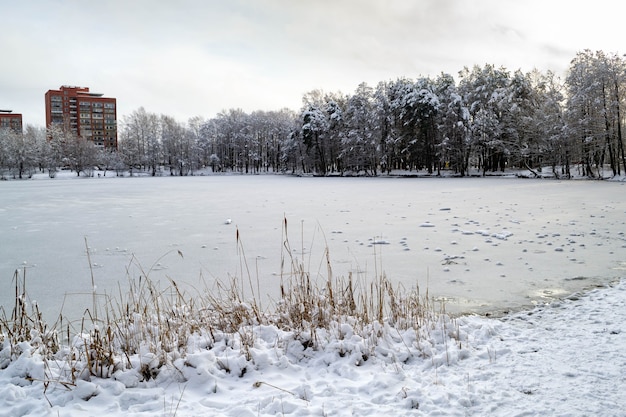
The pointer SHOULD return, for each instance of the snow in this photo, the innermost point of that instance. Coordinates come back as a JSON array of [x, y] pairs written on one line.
[[564, 357], [567, 358]]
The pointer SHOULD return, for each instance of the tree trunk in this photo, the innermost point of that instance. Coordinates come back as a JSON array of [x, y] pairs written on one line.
[[620, 143], [607, 133]]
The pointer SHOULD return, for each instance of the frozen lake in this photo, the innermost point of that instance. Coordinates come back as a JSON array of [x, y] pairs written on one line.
[[484, 244]]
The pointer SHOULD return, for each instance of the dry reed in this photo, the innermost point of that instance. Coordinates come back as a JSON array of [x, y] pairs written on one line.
[[154, 325]]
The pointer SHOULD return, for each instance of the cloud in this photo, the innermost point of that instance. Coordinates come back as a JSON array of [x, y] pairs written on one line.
[[197, 57]]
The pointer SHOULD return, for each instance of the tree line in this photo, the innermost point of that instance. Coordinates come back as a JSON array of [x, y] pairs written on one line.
[[488, 120]]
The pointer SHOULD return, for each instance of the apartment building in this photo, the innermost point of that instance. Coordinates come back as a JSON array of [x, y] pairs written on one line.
[[10, 120], [89, 115]]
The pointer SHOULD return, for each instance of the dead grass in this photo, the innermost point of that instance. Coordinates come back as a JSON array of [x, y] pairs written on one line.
[[146, 327]]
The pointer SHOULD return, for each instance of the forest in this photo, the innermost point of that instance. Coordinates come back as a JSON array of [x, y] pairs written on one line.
[[487, 120]]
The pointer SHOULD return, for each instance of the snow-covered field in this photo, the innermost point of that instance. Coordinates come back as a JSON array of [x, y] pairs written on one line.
[[483, 244]]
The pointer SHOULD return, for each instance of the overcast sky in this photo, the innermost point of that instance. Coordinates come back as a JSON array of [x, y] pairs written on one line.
[[197, 57]]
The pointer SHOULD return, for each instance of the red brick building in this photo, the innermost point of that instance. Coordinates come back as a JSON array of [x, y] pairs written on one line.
[[89, 115], [10, 120]]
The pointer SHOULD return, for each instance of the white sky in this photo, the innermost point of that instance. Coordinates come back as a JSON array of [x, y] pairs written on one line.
[[197, 57]]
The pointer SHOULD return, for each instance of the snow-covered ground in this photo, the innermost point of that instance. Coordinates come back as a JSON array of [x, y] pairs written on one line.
[[567, 359], [491, 244]]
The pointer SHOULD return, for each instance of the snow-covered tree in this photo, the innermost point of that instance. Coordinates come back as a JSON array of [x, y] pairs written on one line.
[[453, 126], [176, 146], [316, 117], [485, 91], [595, 85], [6, 136], [547, 142], [195, 141], [18, 152], [360, 150], [140, 141]]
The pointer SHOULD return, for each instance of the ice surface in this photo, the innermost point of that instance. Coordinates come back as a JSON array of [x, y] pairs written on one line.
[[511, 238]]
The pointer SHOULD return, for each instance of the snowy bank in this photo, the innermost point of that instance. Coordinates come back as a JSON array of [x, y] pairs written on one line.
[[567, 358]]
